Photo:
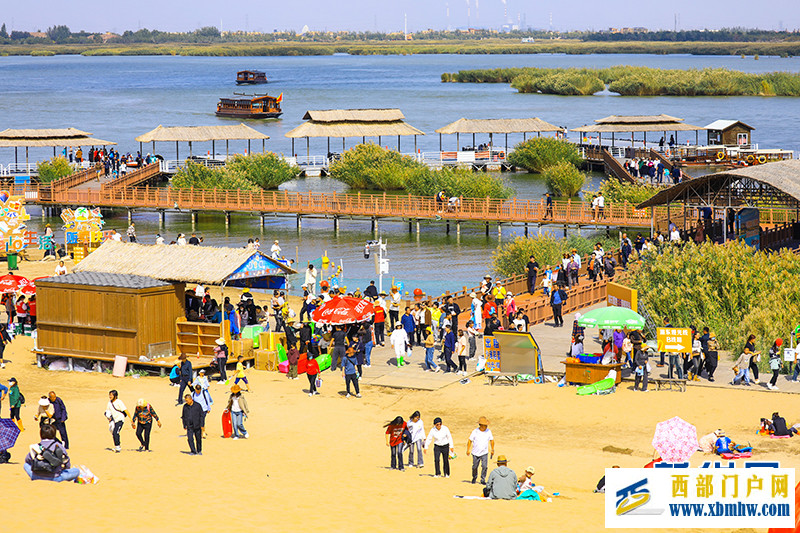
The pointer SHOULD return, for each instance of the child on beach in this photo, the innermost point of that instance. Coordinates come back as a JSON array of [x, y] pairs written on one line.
[[417, 429], [547, 281], [312, 371], [461, 352], [240, 373], [399, 341], [394, 439], [293, 356]]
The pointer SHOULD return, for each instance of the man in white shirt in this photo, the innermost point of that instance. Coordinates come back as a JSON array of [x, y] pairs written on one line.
[[601, 204], [481, 446], [116, 236], [276, 250], [159, 239]]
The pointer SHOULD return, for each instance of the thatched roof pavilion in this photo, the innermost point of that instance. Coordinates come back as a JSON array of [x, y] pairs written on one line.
[[353, 123], [238, 267], [191, 134], [638, 124], [496, 125], [47, 137]]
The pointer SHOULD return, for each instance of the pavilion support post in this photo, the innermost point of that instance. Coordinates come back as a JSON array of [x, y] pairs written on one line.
[[524, 136], [336, 225], [612, 139], [342, 144], [329, 145], [373, 224], [263, 145], [227, 151], [140, 149], [293, 154], [299, 222], [308, 147], [363, 139], [644, 142], [696, 138], [190, 149], [177, 154], [398, 143], [415, 144], [249, 151], [154, 148], [379, 140], [213, 148], [54, 149], [565, 231], [16, 159], [506, 144], [26, 159], [440, 142], [491, 141], [538, 133], [458, 142], [473, 141]]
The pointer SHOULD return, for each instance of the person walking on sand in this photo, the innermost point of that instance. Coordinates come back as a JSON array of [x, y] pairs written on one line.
[[350, 374], [481, 446], [192, 418], [417, 429], [312, 371], [115, 413], [775, 363], [185, 375], [144, 414], [394, 439], [449, 346], [240, 375], [442, 446], [221, 353], [203, 398], [15, 400], [399, 341], [237, 407]]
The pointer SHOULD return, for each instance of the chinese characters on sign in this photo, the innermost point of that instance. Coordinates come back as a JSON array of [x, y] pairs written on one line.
[[12, 222], [491, 349], [675, 340]]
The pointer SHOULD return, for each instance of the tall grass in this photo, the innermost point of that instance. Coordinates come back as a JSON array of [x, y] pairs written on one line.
[[509, 259], [637, 81], [247, 173], [538, 153]]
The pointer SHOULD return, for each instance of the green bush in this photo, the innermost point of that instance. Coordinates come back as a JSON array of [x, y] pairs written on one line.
[[534, 155], [565, 83], [563, 179], [54, 169], [266, 170], [730, 288], [509, 259], [368, 166], [202, 177], [459, 182], [619, 192]]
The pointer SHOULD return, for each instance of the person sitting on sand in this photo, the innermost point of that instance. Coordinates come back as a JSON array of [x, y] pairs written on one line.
[[779, 428], [601, 485], [724, 444], [502, 482], [48, 460], [529, 490], [707, 442]]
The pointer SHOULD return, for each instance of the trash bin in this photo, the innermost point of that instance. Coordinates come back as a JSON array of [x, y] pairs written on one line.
[[12, 261]]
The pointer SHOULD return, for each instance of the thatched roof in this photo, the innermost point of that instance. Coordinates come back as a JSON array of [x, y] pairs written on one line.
[[354, 115], [353, 123], [69, 137], [189, 264], [498, 125], [200, 134], [783, 176], [637, 123]]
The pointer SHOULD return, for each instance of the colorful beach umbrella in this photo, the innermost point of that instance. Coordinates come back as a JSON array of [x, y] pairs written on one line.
[[30, 289], [675, 440], [343, 310], [13, 283], [611, 317], [9, 431]]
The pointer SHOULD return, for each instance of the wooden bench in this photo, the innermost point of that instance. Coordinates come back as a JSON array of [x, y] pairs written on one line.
[[670, 384], [494, 377]]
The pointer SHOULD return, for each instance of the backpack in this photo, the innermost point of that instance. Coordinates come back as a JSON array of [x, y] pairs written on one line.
[[21, 399], [556, 297], [52, 457]]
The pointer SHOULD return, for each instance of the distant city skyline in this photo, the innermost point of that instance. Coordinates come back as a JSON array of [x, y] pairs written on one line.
[[372, 15]]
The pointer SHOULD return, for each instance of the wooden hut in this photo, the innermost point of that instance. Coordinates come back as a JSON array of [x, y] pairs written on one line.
[[99, 315], [728, 133]]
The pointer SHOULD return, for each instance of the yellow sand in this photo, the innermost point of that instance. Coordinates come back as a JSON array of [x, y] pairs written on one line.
[[322, 463]]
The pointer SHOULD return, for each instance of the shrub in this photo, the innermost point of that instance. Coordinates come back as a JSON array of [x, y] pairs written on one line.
[[633, 193], [54, 169], [202, 177], [563, 179], [267, 170], [509, 259], [534, 155], [460, 182], [368, 166], [730, 288]]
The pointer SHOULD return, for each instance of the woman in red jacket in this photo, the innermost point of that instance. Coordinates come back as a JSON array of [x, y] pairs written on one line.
[[312, 370]]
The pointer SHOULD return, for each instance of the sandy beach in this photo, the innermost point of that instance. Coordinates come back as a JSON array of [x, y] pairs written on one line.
[[322, 462]]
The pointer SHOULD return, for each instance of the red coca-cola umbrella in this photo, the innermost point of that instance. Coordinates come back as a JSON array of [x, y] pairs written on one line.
[[13, 283], [343, 310], [30, 289]]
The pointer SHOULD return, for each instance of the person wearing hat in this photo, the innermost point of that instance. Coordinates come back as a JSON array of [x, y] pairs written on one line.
[[481, 446], [724, 444], [15, 399], [221, 354], [499, 292], [237, 407], [486, 285], [537, 492], [46, 413], [276, 250], [144, 414], [502, 482]]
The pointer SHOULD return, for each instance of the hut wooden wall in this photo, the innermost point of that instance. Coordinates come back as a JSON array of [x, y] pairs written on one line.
[[730, 136], [103, 322]]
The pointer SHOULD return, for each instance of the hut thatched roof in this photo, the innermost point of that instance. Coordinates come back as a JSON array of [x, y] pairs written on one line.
[[353, 123], [69, 137], [782, 179], [200, 134], [498, 125], [189, 264], [637, 123]]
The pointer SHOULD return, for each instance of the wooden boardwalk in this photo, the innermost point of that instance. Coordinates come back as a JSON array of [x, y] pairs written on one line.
[[370, 206]]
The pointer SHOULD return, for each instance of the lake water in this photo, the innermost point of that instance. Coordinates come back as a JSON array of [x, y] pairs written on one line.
[[119, 98]]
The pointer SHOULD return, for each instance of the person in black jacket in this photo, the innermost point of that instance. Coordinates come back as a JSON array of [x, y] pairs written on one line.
[[193, 424], [59, 417], [640, 370], [557, 299], [185, 375], [304, 336]]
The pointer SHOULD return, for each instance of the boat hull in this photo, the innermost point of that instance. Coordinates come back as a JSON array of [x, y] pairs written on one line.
[[261, 82], [248, 115]]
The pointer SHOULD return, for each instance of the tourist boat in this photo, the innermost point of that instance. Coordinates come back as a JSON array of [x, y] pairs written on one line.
[[250, 77], [250, 106]]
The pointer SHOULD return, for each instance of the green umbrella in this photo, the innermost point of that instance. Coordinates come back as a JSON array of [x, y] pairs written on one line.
[[611, 317]]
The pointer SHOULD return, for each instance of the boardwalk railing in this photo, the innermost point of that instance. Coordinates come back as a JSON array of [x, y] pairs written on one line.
[[75, 179], [133, 178], [578, 297]]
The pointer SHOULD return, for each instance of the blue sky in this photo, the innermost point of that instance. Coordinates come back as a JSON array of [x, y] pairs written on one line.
[[383, 15]]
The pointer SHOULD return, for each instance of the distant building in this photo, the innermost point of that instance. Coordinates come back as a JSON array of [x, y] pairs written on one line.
[[729, 133]]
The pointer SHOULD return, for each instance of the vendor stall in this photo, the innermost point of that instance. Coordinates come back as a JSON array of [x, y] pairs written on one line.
[[512, 353]]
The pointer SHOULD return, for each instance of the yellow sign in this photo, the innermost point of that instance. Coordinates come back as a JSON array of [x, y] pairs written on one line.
[[622, 296], [675, 340]]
